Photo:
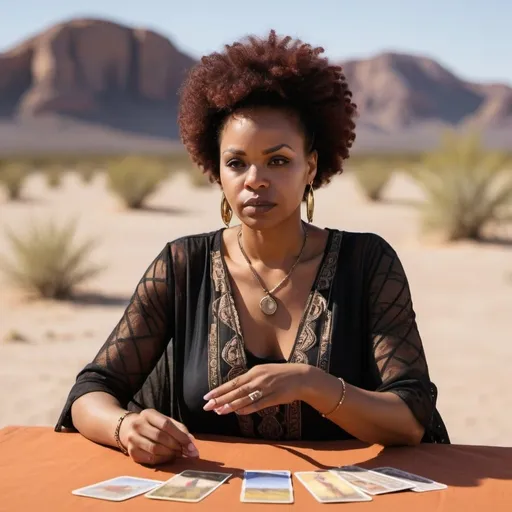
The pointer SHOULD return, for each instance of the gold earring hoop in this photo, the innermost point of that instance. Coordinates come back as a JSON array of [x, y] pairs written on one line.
[[310, 203], [225, 211]]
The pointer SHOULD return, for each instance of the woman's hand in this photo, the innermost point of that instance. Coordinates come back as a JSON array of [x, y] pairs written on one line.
[[153, 438], [269, 384]]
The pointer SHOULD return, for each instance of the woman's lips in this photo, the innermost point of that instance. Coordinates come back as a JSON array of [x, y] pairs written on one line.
[[257, 206]]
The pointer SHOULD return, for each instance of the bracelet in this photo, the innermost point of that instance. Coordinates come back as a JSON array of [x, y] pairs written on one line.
[[342, 399], [118, 428]]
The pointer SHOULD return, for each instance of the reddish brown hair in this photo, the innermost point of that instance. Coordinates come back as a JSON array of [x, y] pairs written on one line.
[[275, 72]]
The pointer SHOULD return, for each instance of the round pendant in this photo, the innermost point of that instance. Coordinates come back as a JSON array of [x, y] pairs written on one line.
[[268, 305]]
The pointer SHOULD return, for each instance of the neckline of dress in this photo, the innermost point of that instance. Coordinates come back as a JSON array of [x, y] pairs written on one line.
[[234, 310]]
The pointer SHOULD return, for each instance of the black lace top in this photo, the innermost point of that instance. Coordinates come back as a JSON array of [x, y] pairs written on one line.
[[180, 336]]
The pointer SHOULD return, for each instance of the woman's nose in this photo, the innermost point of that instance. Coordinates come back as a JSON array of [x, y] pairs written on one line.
[[256, 178]]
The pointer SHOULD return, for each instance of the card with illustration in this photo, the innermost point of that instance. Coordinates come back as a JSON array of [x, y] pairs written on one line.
[[371, 482], [267, 487], [421, 484], [327, 487], [118, 489], [191, 486]]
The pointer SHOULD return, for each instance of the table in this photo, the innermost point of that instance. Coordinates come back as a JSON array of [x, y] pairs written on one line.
[[39, 468]]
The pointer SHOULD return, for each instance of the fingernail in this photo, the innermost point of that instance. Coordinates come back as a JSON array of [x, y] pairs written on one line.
[[223, 409], [210, 405], [207, 396], [192, 450]]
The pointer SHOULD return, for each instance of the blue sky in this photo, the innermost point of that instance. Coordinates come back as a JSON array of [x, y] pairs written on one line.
[[472, 38], [266, 480]]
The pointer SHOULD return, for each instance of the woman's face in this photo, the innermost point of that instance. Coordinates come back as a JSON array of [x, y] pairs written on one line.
[[264, 167]]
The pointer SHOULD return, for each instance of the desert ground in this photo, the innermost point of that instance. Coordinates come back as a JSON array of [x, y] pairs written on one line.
[[462, 294]]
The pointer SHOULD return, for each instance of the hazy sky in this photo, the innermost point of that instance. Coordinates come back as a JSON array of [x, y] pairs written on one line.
[[472, 38]]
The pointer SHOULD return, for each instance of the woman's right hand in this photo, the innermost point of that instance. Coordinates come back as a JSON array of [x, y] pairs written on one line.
[[153, 438]]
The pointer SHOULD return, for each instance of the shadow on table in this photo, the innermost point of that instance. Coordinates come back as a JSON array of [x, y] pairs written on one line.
[[237, 472], [453, 465], [197, 465]]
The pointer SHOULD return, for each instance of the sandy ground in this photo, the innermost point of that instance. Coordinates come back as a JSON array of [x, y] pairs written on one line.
[[462, 295]]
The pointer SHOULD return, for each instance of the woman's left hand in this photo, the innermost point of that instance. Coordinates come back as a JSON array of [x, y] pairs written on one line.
[[267, 384]]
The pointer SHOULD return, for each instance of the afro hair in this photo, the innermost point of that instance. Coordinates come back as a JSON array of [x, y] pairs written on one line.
[[276, 72]]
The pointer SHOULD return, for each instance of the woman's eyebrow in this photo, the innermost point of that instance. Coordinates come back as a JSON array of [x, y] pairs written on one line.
[[235, 151], [276, 148]]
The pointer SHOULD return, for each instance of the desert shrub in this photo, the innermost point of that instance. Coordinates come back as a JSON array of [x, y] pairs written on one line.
[[466, 187], [54, 174], [197, 177], [87, 170], [133, 179], [372, 178], [12, 177], [177, 161], [47, 260]]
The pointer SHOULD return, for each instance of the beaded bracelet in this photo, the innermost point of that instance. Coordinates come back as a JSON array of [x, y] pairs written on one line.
[[118, 428], [342, 399]]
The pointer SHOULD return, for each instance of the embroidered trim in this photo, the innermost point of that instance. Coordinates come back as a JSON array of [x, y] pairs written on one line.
[[277, 422], [233, 352], [324, 352], [331, 263], [213, 353]]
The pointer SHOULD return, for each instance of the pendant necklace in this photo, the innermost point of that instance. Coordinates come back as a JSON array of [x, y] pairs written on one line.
[[268, 303]]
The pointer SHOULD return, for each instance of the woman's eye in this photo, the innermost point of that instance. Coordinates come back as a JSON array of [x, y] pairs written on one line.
[[235, 164], [279, 160]]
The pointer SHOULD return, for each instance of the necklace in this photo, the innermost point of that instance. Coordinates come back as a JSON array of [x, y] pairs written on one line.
[[268, 303]]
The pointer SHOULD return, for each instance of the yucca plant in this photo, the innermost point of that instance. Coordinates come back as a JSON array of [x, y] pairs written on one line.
[[12, 177], [134, 179], [372, 178], [467, 188], [48, 261]]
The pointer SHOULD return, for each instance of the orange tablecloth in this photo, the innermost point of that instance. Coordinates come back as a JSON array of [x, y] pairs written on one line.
[[39, 468]]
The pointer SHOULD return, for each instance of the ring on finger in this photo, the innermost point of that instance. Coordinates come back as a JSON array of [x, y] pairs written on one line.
[[255, 395]]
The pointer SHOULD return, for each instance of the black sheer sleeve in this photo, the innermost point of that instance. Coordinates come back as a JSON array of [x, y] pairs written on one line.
[[136, 344], [398, 357]]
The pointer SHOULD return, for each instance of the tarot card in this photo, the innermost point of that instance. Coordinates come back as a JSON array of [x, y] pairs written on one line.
[[191, 486], [118, 489], [267, 487], [371, 482], [421, 484], [327, 487]]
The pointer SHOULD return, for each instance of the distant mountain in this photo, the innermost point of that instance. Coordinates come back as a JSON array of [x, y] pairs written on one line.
[[394, 91], [93, 85]]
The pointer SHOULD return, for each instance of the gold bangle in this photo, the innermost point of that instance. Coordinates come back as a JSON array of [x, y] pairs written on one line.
[[118, 428], [341, 400]]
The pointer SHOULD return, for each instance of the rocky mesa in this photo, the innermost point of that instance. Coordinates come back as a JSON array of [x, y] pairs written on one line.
[[126, 80]]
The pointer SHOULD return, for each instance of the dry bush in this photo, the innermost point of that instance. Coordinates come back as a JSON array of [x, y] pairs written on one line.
[[12, 177], [54, 174], [372, 177], [87, 170], [177, 161], [467, 188], [133, 179], [198, 178], [48, 261]]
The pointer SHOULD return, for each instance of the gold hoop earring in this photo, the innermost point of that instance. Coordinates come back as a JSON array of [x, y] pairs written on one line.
[[225, 211], [310, 203]]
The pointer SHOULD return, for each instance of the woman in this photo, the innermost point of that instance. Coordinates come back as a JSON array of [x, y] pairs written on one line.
[[276, 328]]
